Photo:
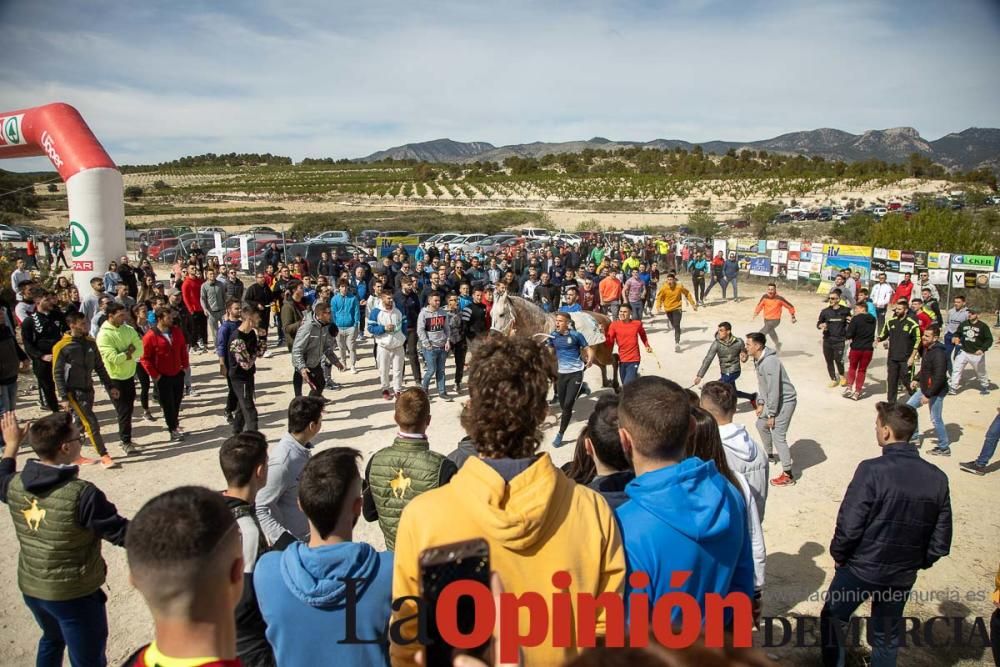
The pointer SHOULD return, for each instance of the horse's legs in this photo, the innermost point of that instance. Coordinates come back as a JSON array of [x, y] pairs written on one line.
[[615, 363]]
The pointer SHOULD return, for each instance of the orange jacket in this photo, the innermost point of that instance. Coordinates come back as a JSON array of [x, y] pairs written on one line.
[[772, 307]]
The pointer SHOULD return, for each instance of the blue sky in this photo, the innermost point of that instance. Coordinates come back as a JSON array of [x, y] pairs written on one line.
[[158, 80]]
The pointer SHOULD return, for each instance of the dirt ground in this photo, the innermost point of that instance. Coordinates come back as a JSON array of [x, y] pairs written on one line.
[[830, 435]]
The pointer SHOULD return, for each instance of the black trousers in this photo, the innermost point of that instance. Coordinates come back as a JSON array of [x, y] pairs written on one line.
[[317, 378], [568, 390], [896, 372], [144, 381], [698, 282], [231, 402], [199, 328], [245, 418], [171, 388], [460, 349], [833, 352], [675, 321], [46, 385], [412, 349], [124, 406]]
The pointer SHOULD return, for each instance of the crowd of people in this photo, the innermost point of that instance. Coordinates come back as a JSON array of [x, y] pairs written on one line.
[[662, 480]]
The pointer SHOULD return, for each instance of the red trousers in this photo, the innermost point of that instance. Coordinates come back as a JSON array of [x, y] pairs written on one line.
[[858, 361]]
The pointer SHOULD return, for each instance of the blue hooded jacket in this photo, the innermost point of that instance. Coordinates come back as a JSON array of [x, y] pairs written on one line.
[[302, 594], [687, 517]]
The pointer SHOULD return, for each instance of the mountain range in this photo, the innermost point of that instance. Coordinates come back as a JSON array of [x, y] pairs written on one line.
[[970, 149]]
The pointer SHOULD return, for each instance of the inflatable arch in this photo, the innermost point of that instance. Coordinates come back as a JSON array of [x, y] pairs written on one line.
[[94, 187]]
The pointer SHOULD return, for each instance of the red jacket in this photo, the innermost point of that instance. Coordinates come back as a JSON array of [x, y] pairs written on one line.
[[161, 356], [191, 294], [903, 291]]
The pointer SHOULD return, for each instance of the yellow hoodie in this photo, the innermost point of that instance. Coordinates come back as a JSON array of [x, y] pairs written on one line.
[[540, 523]]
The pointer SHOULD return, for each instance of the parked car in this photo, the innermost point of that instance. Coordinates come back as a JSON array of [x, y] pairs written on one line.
[[441, 239], [160, 245], [569, 239], [182, 250], [467, 243], [635, 235], [366, 237], [233, 243], [8, 233], [329, 237], [255, 248], [491, 243], [693, 241], [535, 234], [879, 211], [739, 224], [341, 252]]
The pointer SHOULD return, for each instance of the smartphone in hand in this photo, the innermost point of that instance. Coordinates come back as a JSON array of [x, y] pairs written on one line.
[[440, 566]]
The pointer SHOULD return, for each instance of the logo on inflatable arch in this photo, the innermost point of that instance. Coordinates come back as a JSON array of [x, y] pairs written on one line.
[[79, 239], [10, 130]]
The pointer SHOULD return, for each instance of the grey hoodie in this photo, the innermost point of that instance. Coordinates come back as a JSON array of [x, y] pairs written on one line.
[[213, 297], [729, 355], [432, 328], [775, 389], [277, 503], [747, 459]]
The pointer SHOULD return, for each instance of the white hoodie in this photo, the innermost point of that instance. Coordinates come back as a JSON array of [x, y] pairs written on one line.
[[756, 534], [747, 459]]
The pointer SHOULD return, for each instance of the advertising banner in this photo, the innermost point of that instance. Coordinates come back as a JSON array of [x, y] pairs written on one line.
[[856, 258], [386, 244], [973, 262], [760, 266]]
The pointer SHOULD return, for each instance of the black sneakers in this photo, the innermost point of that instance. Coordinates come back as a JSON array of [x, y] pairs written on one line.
[[973, 467]]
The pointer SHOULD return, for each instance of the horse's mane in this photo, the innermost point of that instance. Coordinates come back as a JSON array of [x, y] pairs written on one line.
[[529, 318]]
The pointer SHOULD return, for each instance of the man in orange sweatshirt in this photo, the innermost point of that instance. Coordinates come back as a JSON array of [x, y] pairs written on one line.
[[771, 304]]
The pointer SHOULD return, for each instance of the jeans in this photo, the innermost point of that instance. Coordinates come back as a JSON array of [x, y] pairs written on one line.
[[434, 359], [8, 400], [935, 405], [611, 309], [698, 284], [990, 442], [716, 280], [81, 625], [847, 592], [730, 379], [777, 437], [628, 371], [636, 309], [734, 281]]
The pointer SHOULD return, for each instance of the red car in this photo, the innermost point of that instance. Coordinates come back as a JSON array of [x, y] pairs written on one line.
[[159, 246], [254, 248]]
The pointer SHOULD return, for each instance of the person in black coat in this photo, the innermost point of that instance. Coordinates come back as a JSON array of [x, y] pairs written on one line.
[[931, 386], [876, 553]]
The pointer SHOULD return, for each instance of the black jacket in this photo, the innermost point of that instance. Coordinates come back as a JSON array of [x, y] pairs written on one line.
[[934, 371], [895, 518], [836, 320], [94, 511], [409, 304], [612, 486], [40, 332], [861, 332], [260, 297], [11, 353], [903, 334]]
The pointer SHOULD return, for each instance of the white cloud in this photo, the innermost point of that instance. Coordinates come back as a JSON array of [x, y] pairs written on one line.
[[345, 79]]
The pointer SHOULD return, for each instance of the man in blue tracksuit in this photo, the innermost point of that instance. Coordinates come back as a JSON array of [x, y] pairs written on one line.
[[683, 517], [346, 310], [227, 329]]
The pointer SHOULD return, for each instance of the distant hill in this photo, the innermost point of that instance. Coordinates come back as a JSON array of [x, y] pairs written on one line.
[[970, 149]]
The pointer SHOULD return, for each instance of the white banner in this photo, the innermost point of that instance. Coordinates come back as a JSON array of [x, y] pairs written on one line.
[[218, 242], [244, 253], [719, 245], [957, 279]]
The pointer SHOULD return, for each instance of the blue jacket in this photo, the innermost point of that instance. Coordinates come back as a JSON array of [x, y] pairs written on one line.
[[698, 265], [687, 517], [302, 594], [360, 288], [377, 329], [731, 269], [346, 310], [222, 338]]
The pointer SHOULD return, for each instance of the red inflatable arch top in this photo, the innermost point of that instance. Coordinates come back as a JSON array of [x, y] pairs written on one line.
[[93, 182]]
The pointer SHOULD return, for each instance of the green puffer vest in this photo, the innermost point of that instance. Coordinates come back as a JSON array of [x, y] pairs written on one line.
[[399, 473], [59, 559]]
